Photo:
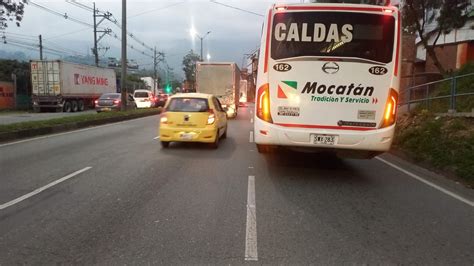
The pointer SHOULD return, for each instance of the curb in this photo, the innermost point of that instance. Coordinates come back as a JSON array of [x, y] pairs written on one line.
[[28, 133]]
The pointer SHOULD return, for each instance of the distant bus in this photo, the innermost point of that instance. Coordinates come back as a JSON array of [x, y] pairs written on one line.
[[328, 78]]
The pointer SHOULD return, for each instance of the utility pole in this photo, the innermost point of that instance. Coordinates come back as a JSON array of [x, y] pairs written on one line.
[[154, 71], [123, 80], [95, 52], [41, 46], [96, 14]]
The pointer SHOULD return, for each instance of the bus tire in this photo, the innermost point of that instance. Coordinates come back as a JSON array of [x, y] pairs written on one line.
[[67, 107], [80, 105], [263, 148], [74, 106]]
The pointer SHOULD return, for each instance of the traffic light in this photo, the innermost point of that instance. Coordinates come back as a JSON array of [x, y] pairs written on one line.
[[168, 89]]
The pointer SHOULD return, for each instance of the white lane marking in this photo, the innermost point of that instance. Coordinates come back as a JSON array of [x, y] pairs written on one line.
[[251, 230], [251, 120], [445, 191], [251, 137], [250, 167], [155, 138], [39, 190], [69, 132]]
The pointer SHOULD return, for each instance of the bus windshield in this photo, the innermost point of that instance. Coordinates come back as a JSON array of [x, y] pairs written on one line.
[[333, 34]]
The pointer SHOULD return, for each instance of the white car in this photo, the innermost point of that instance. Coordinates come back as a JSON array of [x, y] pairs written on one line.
[[144, 99]]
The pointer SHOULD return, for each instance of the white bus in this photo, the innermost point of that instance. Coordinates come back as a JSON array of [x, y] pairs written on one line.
[[328, 78]]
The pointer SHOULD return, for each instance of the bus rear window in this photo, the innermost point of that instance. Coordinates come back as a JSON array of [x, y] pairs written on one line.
[[333, 34]]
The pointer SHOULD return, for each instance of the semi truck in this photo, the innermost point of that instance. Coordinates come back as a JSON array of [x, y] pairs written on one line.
[[68, 87], [221, 79]]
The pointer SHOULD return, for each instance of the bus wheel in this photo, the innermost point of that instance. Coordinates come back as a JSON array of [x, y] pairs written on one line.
[[67, 107], [74, 106], [80, 105], [264, 148]]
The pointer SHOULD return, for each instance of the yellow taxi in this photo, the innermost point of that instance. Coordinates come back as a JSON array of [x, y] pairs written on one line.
[[193, 117]]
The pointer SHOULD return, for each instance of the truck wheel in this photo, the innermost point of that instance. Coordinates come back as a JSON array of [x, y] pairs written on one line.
[[165, 144], [67, 107], [80, 105], [74, 106]]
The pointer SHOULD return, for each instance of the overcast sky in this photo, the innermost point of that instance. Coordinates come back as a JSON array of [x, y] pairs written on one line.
[[162, 23]]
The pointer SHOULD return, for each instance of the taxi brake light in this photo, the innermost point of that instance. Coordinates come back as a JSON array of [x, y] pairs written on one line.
[[211, 118]]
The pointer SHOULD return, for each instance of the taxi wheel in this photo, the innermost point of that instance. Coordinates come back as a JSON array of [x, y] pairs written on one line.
[[215, 144], [165, 144], [224, 136]]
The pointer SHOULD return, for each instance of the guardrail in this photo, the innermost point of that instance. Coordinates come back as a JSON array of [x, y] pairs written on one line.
[[433, 95]]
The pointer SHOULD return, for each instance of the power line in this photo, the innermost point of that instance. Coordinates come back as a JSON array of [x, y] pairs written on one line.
[[237, 8], [65, 15], [131, 46], [18, 34], [73, 2], [131, 35], [48, 43], [50, 47], [109, 16], [156, 9], [67, 33]]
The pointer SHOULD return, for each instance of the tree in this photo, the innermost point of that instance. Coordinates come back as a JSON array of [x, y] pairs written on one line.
[[189, 66], [447, 15], [11, 10]]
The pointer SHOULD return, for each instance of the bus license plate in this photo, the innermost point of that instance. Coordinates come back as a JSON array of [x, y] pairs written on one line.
[[324, 139]]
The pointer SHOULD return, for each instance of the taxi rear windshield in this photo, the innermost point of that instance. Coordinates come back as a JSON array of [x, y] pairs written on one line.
[[333, 34], [141, 94], [188, 105]]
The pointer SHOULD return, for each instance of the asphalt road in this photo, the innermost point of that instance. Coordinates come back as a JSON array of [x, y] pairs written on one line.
[[133, 203], [17, 117]]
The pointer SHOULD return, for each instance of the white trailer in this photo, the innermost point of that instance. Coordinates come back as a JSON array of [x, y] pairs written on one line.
[[222, 80], [69, 87]]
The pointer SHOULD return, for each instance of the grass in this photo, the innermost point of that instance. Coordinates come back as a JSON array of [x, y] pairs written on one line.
[[71, 119], [12, 112], [447, 143]]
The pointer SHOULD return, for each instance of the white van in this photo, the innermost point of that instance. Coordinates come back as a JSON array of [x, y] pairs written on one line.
[[144, 98], [328, 78]]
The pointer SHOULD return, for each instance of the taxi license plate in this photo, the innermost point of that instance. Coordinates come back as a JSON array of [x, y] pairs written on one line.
[[186, 136], [324, 139]]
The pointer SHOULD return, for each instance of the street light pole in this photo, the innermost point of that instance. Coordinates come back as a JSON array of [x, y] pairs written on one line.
[[201, 39]]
